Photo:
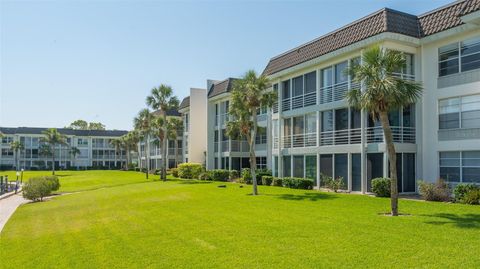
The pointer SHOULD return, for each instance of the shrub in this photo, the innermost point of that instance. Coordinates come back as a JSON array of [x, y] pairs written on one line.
[[219, 174], [298, 183], [174, 172], [260, 173], [54, 182], [381, 187], [157, 172], [189, 170], [277, 182], [472, 197], [438, 191], [37, 188], [333, 184], [204, 176], [234, 174], [267, 180], [246, 176], [461, 190]]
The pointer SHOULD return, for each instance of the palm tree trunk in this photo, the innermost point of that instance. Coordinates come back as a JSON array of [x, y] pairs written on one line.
[[146, 157], [176, 153], [164, 149], [53, 160], [392, 158], [253, 159]]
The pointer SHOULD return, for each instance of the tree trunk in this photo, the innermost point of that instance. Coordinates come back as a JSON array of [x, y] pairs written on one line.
[[146, 157], [392, 158], [16, 160], [176, 152], [253, 159], [53, 160], [164, 148]]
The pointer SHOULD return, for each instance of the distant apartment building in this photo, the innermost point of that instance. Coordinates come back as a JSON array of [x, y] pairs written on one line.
[[96, 149]]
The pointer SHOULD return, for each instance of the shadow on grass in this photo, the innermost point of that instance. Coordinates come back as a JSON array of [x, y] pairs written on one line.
[[467, 221], [64, 175], [311, 196], [194, 182]]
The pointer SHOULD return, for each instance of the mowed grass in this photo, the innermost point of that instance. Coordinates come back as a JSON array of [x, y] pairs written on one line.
[[191, 224], [72, 181]]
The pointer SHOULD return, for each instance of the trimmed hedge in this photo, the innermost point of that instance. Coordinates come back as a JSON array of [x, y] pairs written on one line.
[[234, 174], [204, 176], [381, 187], [298, 183], [174, 172], [472, 197], [189, 170], [277, 182], [219, 174], [267, 180], [462, 189]]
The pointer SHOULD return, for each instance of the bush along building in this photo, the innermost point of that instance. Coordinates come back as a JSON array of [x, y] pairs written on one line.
[[312, 132], [95, 149]]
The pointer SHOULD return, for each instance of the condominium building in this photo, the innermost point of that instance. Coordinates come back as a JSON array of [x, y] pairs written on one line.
[[315, 132], [96, 149]]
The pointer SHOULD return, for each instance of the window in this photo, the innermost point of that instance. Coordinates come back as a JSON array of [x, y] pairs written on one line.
[[458, 166], [261, 162], [287, 166], [340, 72], [286, 89], [7, 152], [298, 168], [7, 139], [261, 137], [297, 86], [459, 57], [459, 112], [311, 168], [311, 82]]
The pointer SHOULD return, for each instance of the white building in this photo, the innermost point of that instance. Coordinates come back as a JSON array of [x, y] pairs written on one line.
[[96, 151]]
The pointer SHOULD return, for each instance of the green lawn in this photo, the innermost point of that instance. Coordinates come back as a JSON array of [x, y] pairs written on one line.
[[181, 224]]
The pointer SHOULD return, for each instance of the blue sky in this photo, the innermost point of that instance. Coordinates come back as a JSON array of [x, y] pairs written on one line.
[[98, 60]]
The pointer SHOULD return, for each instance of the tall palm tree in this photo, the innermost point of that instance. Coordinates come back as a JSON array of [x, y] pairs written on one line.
[[248, 95], [130, 141], [162, 99], [74, 151], [45, 151], [143, 124], [52, 139], [16, 146], [384, 92], [118, 143], [176, 126]]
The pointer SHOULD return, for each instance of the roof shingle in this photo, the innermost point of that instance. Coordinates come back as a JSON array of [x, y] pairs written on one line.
[[221, 87]]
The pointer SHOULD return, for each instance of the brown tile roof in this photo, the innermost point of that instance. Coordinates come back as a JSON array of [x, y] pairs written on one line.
[[221, 87], [185, 103], [385, 20]]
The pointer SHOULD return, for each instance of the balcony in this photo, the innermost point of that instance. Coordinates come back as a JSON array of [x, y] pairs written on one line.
[[225, 146], [222, 119], [240, 146], [300, 140], [400, 134], [341, 137], [276, 143], [295, 102], [171, 151], [275, 107]]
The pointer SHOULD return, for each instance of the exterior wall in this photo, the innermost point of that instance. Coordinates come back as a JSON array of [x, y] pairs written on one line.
[[197, 143], [435, 140]]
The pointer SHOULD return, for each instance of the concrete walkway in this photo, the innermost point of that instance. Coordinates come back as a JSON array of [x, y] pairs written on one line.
[[8, 206]]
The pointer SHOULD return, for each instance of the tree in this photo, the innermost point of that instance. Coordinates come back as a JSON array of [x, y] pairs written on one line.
[[143, 124], [74, 151], [52, 139], [16, 146], [176, 125], [118, 143], [45, 151], [78, 125], [96, 126], [384, 92], [248, 95], [130, 140], [162, 99]]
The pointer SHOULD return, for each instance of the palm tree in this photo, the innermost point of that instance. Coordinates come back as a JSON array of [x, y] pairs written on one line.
[[45, 151], [118, 143], [162, 99], [248, 95], [143, 124], [74, 151], [384, 92], [176, 126], [52, 139], [16, 146], [131, 140]]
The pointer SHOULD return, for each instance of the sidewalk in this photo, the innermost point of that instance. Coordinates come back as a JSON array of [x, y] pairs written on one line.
[[8, 207]]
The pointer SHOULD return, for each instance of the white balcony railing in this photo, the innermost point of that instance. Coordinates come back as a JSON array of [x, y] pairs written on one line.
[[400, 134], [225, 146], [300, 140], [340, 137], [308, 99]]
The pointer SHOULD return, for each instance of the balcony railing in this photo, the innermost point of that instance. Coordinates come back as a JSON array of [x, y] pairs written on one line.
[[275, 107], [340, 137], [239, 146], [215, 146], [404, 76], [172, 151], [300, 140], [400, 134], [308, 99], [225, 146], [335, 92]]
